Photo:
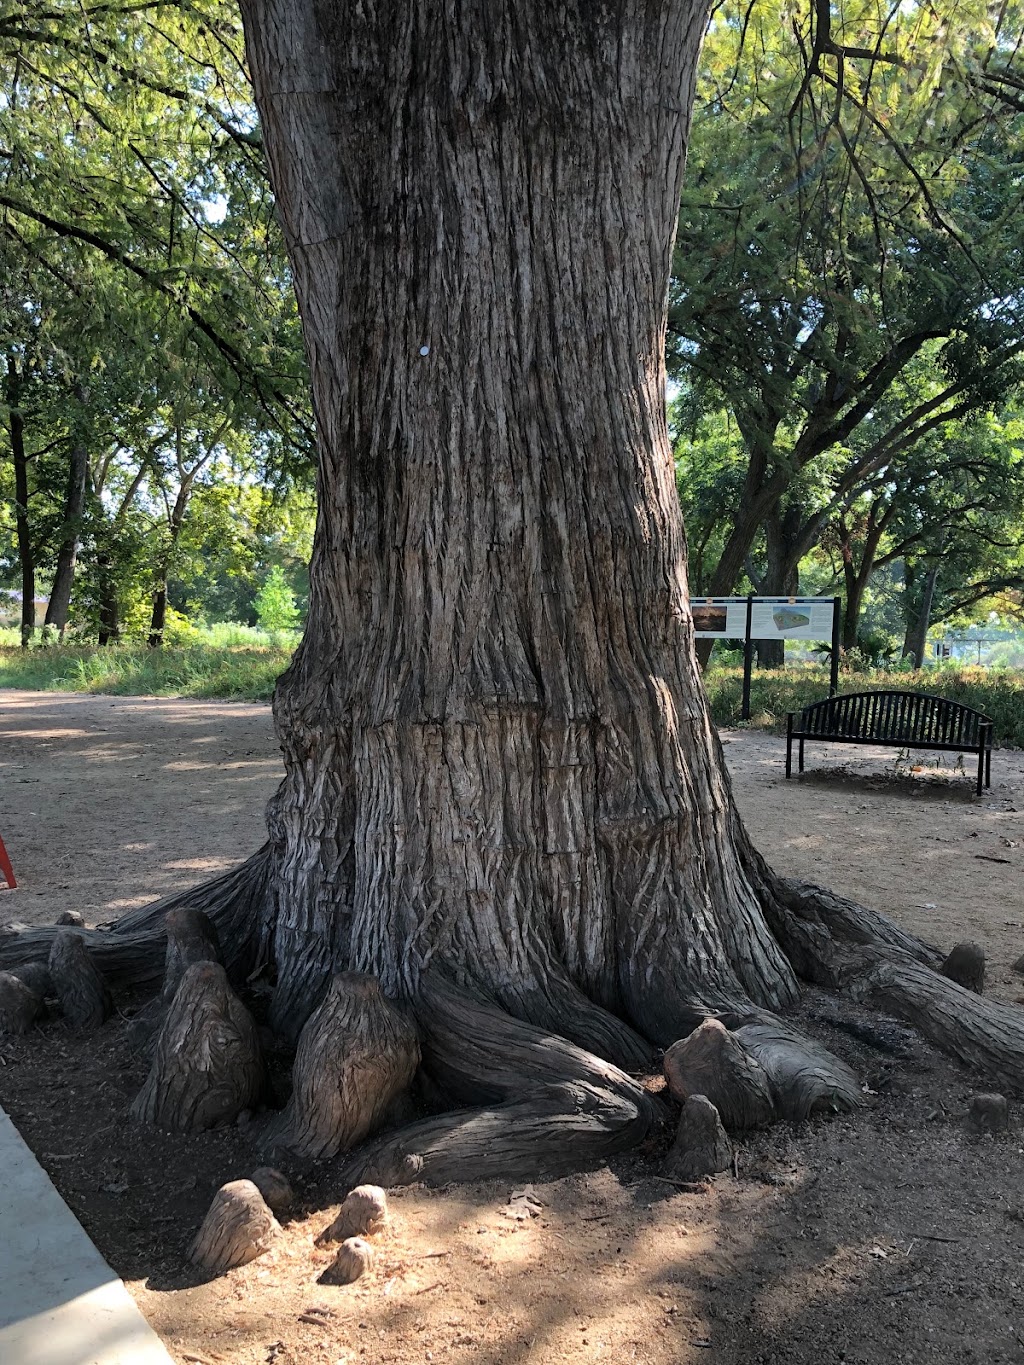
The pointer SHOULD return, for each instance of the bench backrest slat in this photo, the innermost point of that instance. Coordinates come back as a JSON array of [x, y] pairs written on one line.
[[915, 717]]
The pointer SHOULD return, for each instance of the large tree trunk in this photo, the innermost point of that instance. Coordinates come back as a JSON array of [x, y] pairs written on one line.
[[26, 555], [499, 756], [504, 798], [74, 507]]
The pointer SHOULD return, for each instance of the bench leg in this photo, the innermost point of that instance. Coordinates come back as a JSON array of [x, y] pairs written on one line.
[[801, 755], [789, 755], [988, 767], [981, 768]]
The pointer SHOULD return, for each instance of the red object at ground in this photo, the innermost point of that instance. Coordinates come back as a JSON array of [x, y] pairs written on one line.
[[6, 868]]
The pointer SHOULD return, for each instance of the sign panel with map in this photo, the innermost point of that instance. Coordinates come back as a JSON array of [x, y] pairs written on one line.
[[791, 618]]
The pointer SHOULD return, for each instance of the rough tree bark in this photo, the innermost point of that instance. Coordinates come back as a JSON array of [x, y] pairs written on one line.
[[782, 571], [504, 797], [498, 754], [918, 597]]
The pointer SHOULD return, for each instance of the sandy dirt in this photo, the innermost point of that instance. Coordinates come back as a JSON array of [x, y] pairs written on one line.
[[891, 1235]]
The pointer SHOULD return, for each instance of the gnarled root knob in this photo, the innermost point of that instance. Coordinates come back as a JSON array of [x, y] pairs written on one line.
[[19, 1004], [355, 1257], [364, 1212], [356, 1054], [711, 1061], [966, 966], [207, 1066], [988, 1113], [77, 983], [274, 1188], [191, 938], [701, 1147], [237, 1228]]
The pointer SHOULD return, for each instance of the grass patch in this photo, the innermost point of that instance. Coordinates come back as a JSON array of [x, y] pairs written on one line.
[[998, 692], [243, 674]]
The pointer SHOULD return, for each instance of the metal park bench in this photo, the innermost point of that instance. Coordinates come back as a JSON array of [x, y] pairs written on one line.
[[899, 720]]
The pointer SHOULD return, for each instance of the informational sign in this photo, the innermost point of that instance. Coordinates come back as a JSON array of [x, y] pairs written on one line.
[[720, 617], [769, 618], [791, 618]]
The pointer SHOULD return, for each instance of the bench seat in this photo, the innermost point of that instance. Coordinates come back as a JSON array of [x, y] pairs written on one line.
[[899, 720]]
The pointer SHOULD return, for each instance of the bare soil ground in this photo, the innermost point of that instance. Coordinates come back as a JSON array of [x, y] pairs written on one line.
[[892, 1235]]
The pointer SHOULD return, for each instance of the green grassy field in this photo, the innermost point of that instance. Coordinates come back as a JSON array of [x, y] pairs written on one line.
[[244, 674], [248, 672], [999, 693]]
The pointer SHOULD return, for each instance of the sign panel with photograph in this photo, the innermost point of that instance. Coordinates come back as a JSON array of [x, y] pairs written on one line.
[[720, 617]]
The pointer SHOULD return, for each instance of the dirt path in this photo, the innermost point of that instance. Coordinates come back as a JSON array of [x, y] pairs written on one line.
[[889, 1236], [109, 802]]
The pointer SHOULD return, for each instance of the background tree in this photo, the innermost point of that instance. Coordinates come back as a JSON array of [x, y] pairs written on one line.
[[853, 206], [143, 265], [275, 602]]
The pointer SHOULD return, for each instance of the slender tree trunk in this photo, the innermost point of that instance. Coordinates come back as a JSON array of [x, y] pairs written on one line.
[[857, 577], [919, 599], [498, 751], [26, 556], [782, 574], [159, 617], [74, 506], [110, 606]]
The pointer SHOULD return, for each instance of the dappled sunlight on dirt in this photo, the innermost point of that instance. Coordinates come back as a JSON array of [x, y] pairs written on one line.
[[889, 1236]]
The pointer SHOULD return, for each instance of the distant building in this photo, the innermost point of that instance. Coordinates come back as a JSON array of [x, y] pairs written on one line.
[[10, 607]]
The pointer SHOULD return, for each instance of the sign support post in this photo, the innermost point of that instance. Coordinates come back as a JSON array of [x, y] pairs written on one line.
[[748, 661], [833, 686]]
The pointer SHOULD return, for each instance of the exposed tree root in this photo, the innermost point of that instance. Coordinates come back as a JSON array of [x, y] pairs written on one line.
[[131, 952], [553, 1107], [538, 1103], [814, 926], [805, 1078], [839, 944], [985, 1034]]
